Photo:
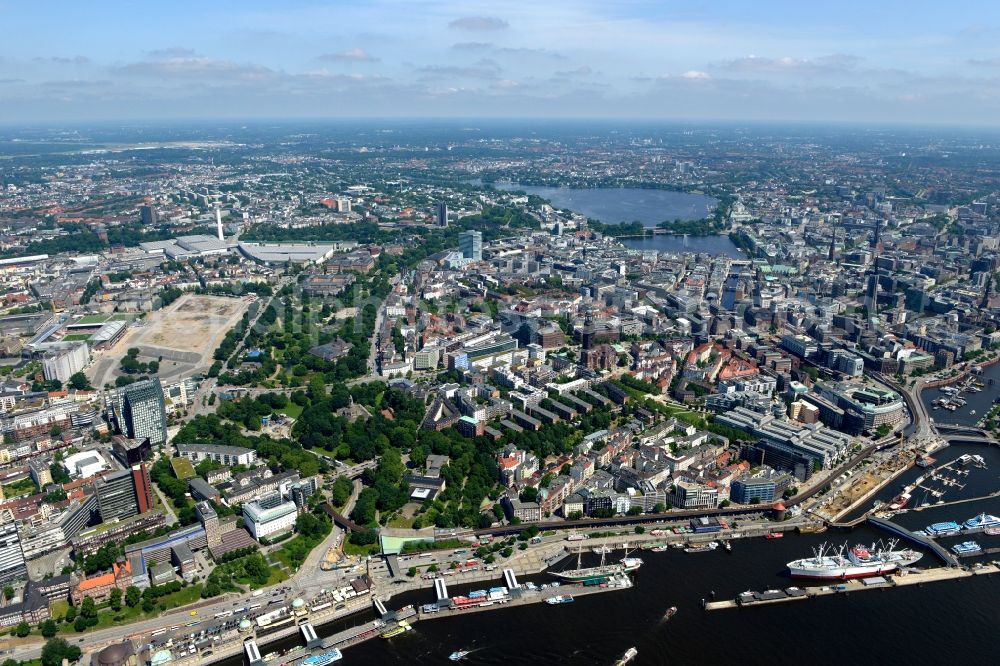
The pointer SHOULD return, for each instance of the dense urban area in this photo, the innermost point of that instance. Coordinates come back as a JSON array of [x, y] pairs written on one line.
[[255, 379]]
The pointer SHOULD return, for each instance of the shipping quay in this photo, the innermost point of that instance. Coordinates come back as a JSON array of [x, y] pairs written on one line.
[[749, 599], [512, 593]]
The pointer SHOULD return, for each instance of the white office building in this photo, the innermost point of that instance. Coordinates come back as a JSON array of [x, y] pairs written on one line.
[[265, 523], [65, 362]]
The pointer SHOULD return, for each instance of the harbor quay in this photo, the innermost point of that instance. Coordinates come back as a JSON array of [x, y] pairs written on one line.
[[497, 599], [524, 597], [908, 578]]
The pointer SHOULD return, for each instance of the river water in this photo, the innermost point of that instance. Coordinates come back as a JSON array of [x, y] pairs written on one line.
[[951, 621], [979, 402]]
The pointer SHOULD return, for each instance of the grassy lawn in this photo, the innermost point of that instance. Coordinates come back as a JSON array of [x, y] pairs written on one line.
[[58, 608], [125, 615], [72, 337], [19, 488], [93, 319], [291, 411], [183, 468], [353, 549], [181, 597], [277, 576], [401, 521]]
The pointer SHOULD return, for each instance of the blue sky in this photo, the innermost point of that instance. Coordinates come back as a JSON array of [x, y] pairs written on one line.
[[913, 62]]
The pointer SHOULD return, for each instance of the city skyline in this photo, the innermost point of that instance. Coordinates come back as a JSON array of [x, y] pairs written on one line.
[[662, 61]]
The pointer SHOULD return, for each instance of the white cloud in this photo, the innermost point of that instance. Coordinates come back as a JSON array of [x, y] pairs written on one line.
[[696, 74], [350, 55], [479, 23]]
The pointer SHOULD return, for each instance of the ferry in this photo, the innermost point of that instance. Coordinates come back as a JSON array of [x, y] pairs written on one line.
[[629, 655], [982, 521], [949, 528], [967, 548], [560, 599], [774, 535], [899, 502], [858, 562], [459, 655], [400, 628], [323, 659]]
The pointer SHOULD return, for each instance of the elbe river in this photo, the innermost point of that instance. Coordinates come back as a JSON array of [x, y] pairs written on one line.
[[945, 622]]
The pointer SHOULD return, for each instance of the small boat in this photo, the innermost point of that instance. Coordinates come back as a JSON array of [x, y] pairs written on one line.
[[967, 548], [560, 599], [400, 628], [323, 659], [728, 546], [629, 655], [774, 535], [670, 613], [702, 548], [899, 502], [459, 655]]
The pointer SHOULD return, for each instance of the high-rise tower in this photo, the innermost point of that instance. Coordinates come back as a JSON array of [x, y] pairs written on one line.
[[218, 222]]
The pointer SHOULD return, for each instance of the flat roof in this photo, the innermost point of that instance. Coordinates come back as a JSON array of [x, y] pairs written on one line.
[[284, 253]]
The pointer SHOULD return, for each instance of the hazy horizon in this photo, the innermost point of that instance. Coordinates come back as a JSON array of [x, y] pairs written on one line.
[[919, 64]]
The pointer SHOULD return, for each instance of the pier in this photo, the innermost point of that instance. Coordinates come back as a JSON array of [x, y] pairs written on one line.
[[380, 607], [309, 634], [523, 597], [252, 653], [876, 582], [904, 533], [355, 635]]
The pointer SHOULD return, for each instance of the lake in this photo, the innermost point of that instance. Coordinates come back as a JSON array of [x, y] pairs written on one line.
[[686, 244], [616, 205]]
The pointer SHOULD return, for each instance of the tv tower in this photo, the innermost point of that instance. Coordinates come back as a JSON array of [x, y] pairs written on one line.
[[218, 222]]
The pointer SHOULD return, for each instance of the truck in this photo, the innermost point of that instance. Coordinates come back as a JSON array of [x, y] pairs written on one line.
[[258, 593]]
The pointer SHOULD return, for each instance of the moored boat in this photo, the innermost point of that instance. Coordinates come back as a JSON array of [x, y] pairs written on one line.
[[943, 529], [967, 548], [899, 502], [856, 562], [323, 659], [982, 521], [459, 655], [601, 572], [400, 628], [560, 599], [670, 613]]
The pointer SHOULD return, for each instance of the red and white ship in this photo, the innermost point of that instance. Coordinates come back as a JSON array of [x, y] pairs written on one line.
[[858, 562], [899, 502]]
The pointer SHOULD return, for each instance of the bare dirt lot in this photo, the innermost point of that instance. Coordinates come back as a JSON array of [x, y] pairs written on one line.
[[183, 336], [193, 323]]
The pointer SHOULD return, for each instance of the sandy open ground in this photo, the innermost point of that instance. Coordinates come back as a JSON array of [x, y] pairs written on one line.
[[192, 324], [184, 335]]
